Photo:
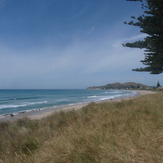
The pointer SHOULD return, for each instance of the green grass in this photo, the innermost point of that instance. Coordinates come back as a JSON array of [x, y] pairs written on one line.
[[120, 132]]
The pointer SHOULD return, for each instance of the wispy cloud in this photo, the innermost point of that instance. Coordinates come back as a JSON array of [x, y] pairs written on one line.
[[118, 43], [136, 37], [77, 14], [80, 64]]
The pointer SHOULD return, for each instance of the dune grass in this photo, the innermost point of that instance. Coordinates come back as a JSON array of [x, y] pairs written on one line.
[[116, 132]]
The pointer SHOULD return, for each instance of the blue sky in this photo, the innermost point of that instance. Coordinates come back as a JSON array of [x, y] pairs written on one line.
[[68, 44]]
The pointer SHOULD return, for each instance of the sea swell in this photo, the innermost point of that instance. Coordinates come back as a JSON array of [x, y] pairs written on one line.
[[21, 105], [27, 100]]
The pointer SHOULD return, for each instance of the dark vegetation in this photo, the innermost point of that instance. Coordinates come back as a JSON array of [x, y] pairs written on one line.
[[150, 23]]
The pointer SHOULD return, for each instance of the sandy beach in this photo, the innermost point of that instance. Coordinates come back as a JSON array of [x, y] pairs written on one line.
[[41, 113]]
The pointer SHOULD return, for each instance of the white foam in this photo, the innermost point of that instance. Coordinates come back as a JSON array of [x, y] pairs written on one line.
[[91, 96], [21, 105], [11, 106], [101, 98], [34, 103]]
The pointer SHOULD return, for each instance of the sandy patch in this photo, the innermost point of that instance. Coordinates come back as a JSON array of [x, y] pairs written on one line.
[[38, 114]]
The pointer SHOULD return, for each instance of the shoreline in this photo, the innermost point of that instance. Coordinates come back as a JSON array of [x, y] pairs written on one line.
[[44, 112]]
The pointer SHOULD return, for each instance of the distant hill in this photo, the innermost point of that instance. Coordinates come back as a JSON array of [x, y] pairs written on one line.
[[128, 85]]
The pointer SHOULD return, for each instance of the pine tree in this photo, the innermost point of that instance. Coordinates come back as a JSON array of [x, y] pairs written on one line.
[[150, 23]]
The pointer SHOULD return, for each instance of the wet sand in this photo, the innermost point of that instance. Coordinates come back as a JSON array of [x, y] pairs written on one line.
[[41, 113]]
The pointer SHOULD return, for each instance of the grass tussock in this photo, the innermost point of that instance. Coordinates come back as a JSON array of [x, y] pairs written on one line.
[[122, 132]]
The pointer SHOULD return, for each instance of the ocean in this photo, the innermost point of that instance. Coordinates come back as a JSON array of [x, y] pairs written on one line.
[[17, 101]]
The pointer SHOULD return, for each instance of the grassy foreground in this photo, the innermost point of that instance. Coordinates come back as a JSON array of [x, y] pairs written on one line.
[[119, 132]]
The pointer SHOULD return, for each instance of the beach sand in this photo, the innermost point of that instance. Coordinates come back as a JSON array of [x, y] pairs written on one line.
[[42, 113]]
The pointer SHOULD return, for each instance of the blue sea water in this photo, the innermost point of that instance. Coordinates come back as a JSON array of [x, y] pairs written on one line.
[[14, 101]]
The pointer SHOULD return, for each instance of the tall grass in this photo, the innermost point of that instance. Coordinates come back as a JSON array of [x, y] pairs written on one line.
[[116, 132]]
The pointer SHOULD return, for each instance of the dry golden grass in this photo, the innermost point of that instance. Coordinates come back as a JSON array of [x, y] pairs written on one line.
[[119, 132]]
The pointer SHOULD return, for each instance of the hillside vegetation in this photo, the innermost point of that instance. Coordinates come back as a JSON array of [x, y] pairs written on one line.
[[128, 85], [115, 132]]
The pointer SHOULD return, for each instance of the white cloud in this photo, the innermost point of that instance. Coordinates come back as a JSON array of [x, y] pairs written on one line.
[[84, 57], [118, 43], [136, 37], [74, 66]]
